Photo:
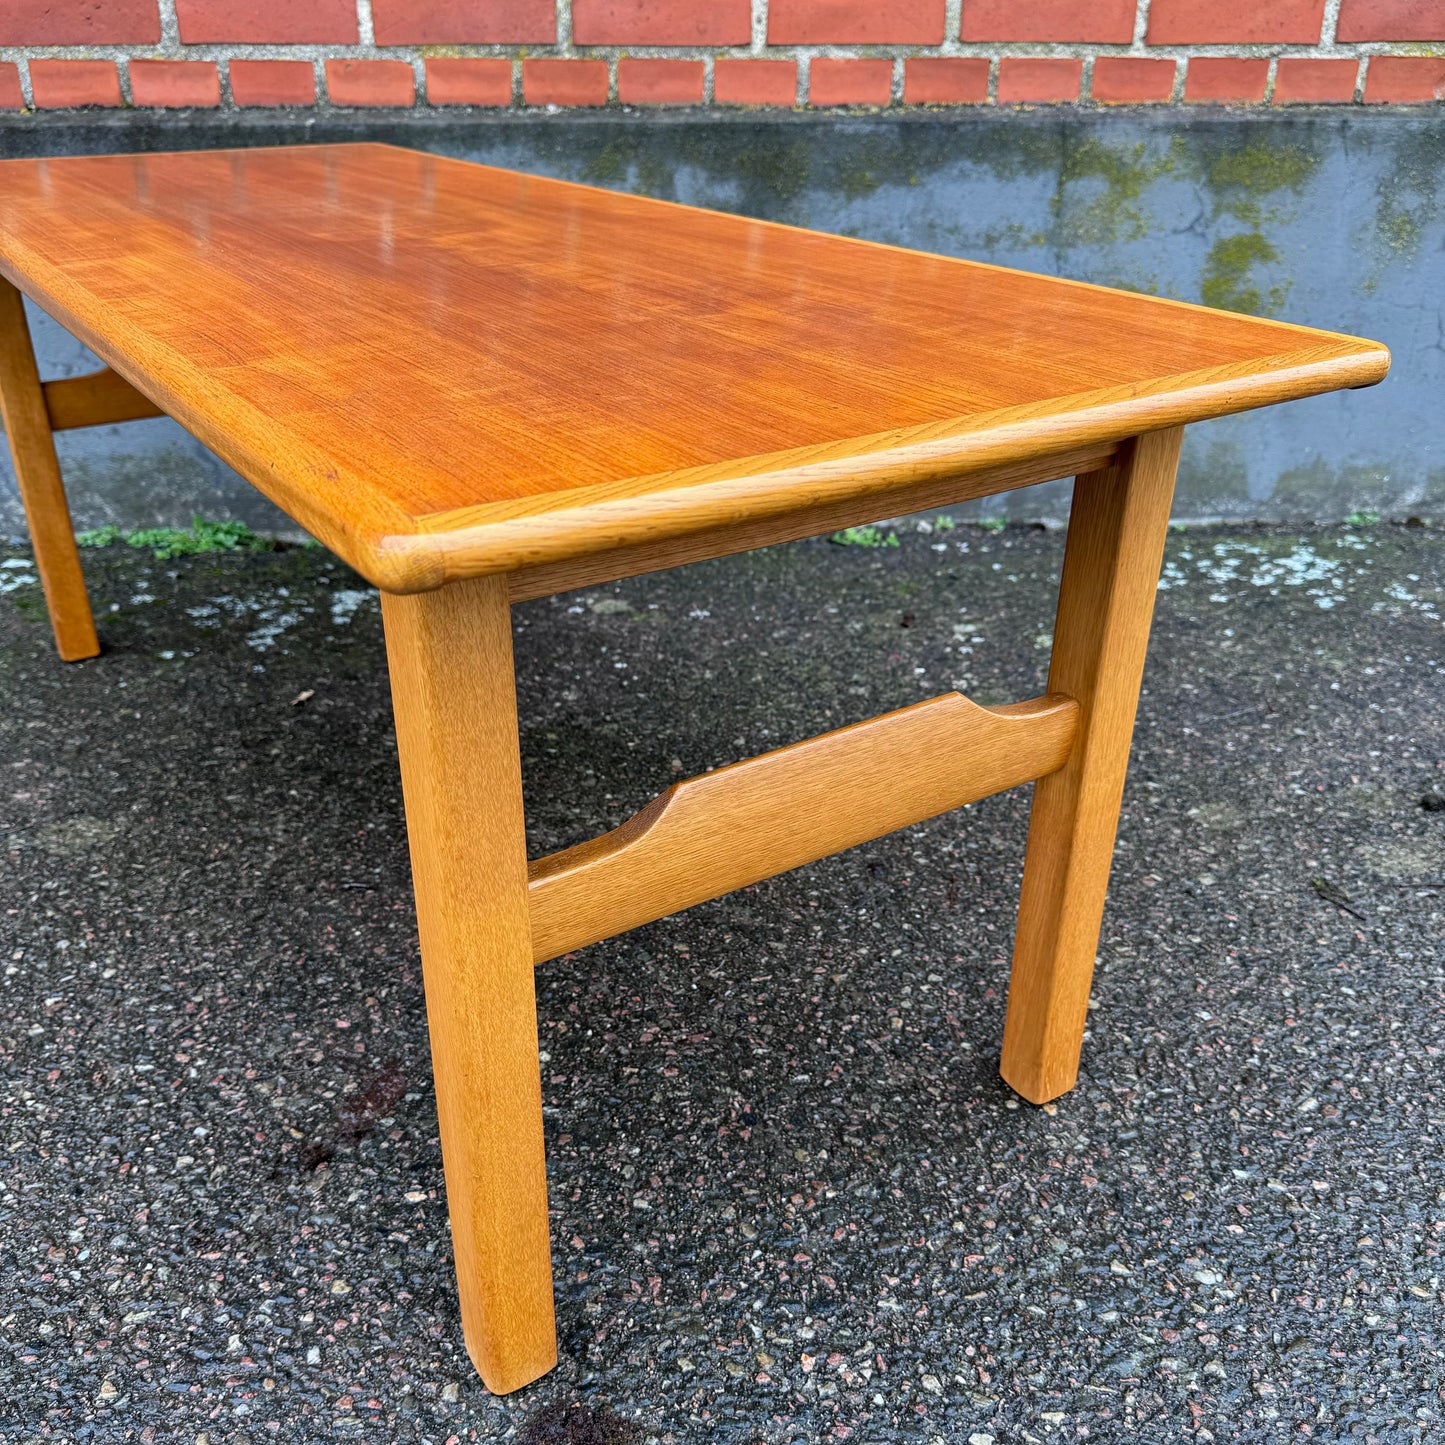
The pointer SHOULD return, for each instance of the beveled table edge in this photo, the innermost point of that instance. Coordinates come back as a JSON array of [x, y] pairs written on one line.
[[551, 528]]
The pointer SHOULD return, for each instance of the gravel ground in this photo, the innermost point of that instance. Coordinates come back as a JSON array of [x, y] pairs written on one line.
[[791, 1198]]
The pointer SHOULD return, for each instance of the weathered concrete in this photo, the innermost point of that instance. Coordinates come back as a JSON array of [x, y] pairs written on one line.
[[1325, 217], [792, 1198]]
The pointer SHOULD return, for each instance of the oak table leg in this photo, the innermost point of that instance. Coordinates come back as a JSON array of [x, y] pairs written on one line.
[[32, 448], [454, 696], [1119, 521]]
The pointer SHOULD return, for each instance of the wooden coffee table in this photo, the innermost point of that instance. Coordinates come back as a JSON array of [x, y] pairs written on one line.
[[477, 386]]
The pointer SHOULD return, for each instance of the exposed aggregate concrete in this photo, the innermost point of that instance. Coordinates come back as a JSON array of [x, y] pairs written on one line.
[[791, 1198]]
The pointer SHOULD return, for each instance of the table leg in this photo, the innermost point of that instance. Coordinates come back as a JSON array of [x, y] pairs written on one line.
[[32, 449], [1106, 598], [454, 696]]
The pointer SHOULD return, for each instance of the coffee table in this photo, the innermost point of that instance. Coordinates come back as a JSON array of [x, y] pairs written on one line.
[[477, 386]]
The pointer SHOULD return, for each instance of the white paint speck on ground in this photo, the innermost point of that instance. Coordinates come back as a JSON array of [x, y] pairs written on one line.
[[17, 572], [1398, 593], [275, 615], [1229, 564], [346, 602], [273, 624]]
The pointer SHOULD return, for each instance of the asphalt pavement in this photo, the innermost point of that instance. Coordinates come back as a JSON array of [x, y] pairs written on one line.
[[792, 1200]]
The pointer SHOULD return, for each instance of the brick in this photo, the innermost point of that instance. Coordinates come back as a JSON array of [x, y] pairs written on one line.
[[468, 82], [1107, 22], [546, 81], [755, 82], [56, 84], [850, 82], [175, 83], [941, 80], [370, 82], [10, 96], [1038, 80], [1236, 22], [659, 82], [265, 22], [79, 22], [464, 22], [662, 22], [1391, 20], [1225, 80], [1132, 80], [855, 22], [272, 82], [1397, 79], [1299, 80]]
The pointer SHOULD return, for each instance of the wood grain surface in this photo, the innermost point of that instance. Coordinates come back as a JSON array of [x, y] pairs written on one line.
[[1115, 548], [444, 370], [37, 470], [782, 518], [450, 656], [96, 399]]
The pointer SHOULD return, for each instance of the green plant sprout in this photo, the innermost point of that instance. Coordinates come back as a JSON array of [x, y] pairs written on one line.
[[869, 536], [168, 542]]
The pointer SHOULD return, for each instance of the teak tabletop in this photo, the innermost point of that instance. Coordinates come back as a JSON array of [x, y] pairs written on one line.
[[477, 386], [443, 370]]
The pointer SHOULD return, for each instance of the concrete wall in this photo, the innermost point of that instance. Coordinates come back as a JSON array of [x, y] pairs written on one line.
[[56, 54], [1332, 217]]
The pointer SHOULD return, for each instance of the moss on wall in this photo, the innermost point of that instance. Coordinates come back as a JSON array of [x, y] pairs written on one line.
[[1228, 271]]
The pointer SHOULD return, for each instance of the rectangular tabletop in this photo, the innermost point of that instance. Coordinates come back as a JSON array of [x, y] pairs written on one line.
[[443, 369]]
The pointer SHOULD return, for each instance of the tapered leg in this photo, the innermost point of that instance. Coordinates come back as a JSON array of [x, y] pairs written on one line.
[[1106, 598], [32, 448], [453, 692]]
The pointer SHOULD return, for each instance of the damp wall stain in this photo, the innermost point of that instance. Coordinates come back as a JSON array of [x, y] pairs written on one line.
[[1323, 217]]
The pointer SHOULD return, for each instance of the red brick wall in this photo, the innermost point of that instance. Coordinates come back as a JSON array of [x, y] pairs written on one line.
[[639, 54]]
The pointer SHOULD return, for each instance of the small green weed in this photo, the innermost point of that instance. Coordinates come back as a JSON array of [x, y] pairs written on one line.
[[1363, 518], [868, 536], [994, 524], [943, 523], [168, 542]]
